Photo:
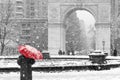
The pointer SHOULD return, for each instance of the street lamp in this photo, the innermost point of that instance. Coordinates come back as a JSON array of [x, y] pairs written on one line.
[[103, 43]]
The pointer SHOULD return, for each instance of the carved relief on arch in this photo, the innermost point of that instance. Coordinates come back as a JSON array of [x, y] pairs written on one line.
[[66, 10]]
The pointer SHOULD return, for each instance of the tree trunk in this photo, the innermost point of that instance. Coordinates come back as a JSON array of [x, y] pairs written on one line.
[[2, 48]]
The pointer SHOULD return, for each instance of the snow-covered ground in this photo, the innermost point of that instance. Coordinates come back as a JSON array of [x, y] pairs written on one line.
[[113, 74], [60, 62]]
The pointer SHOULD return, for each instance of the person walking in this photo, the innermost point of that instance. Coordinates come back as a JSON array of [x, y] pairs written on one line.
[[115, 52]]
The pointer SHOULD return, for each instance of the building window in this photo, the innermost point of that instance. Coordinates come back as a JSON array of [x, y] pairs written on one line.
[[28, 43], [34, 26], [28, 25], [0, 33], [19, 9], [19, 3], [25, 32], [118, 7], [32, 3], [0, 36], [19, 15], [23, 25], [32, 8], [32, 14], [25, 38]]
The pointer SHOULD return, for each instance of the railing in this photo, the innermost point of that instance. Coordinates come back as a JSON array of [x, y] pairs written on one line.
[[65, 57]]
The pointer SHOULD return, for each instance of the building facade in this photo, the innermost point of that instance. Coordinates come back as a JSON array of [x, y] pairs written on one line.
[[29, 19], [32, 18]]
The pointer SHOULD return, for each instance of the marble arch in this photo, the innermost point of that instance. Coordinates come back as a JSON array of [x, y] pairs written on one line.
[[58, 10]]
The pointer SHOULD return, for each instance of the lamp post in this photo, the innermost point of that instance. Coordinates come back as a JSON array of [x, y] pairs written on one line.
[[103, 42]]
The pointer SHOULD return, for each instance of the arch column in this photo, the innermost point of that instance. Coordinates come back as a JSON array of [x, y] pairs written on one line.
[[103, 37], [56, 38]]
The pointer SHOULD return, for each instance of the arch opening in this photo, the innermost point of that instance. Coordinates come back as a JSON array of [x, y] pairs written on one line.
[[80, 32]]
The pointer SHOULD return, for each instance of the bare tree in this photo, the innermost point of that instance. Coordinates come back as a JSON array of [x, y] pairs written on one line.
[[5, 23]]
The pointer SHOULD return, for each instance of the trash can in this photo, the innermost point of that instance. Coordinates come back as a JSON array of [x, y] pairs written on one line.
[[46, 55], [100, 59]]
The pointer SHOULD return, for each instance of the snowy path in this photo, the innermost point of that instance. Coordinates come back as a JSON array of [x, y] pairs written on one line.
[[113, 74]]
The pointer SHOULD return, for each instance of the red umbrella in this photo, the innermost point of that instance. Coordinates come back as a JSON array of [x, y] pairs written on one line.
[[30, 52]]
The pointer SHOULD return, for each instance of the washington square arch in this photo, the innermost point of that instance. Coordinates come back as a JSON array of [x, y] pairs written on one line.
[[56, 20], [105, 13], [58, 10]]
